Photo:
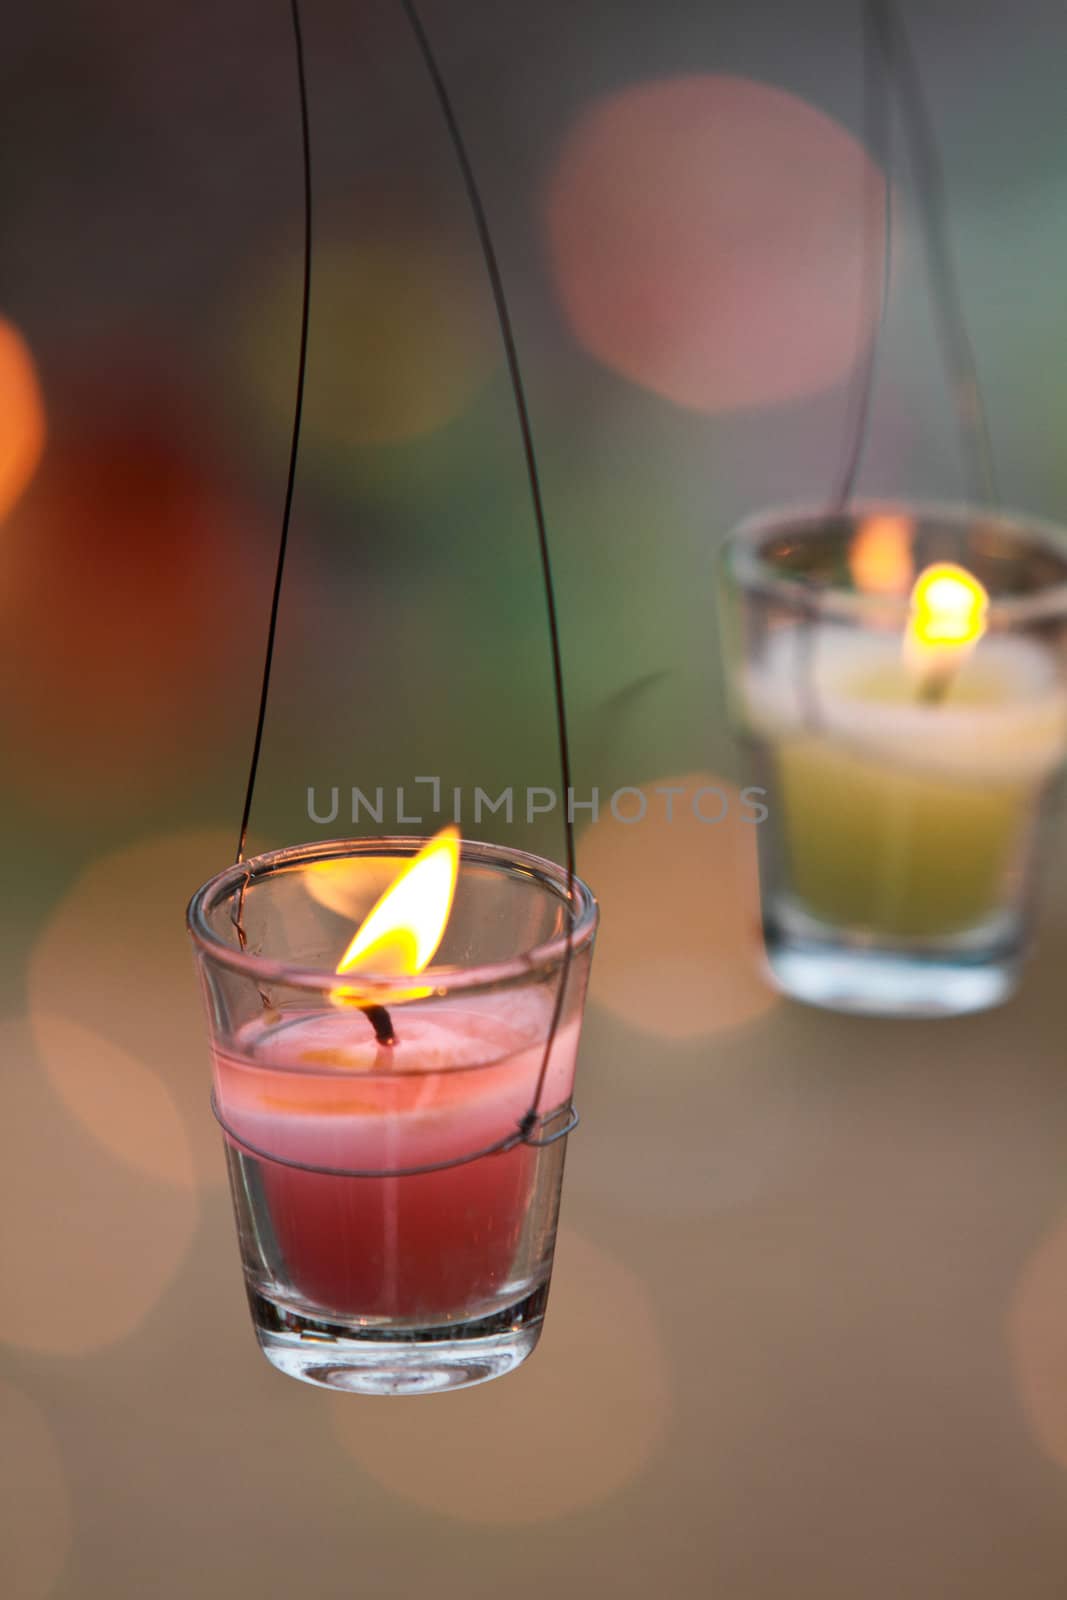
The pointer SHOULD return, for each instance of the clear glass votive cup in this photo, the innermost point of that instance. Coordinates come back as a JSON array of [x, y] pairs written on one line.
[[905, 806], [364, 1270]]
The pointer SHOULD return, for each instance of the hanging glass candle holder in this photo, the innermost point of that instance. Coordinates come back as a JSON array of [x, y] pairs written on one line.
[[899, 671], [395, 1123], [900, 674], [395, 1104]]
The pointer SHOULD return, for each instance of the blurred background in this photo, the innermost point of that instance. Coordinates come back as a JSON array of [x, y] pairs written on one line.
[[808, 1331]]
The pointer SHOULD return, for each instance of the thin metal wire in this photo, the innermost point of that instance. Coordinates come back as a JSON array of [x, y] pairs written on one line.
[[889, 64], [503, 315], [525, 1130], [877, 253], [521, 1135], [875, 266], [957, 349], [294, 451]]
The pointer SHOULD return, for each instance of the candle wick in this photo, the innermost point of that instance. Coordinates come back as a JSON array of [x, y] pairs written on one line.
[[381, 1022], [935, 685]]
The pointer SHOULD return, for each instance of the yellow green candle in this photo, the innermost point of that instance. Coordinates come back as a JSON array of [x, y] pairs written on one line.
[[902, 815]]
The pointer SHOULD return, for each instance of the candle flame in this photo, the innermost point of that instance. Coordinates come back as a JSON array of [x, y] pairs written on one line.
[[879, 557], [948, 609], [400, 935]]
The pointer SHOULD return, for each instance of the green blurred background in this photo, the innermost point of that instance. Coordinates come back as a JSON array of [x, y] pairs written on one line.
[[808, 1331]]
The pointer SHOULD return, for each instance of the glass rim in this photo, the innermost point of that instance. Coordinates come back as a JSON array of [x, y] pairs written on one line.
[[742, 554], [442, 979]]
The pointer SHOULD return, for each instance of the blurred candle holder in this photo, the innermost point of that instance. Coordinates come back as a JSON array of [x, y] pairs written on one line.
[[900, 678], [378, 1257]]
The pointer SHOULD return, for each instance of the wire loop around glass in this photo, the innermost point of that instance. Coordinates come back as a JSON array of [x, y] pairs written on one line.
[[522, 1135]]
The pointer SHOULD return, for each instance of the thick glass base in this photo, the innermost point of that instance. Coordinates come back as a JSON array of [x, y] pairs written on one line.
[[856, 976], [381, 1360]]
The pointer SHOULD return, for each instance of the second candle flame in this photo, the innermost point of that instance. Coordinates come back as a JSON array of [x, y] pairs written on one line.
[[948, 617], [948, 607]]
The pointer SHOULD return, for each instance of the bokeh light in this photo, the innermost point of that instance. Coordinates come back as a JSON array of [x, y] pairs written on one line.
[[35, 1520], [122, 568], [22, 418], [572, 1427], [116, 1098], [1037, 1335], [89, 1247], [115, 954], [677, 949], [706, 235], [401, 338]]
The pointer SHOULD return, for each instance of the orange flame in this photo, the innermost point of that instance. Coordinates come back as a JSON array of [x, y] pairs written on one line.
[[400, 935], [879, 557]]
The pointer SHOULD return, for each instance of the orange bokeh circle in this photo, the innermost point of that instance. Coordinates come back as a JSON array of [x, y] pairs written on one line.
[[90, 1245], [1037, 1338], [570, 1429], [117, 1098], [115, 958], [22, 418]]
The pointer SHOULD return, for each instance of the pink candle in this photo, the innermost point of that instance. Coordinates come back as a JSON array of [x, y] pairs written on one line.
[[314, 1087]]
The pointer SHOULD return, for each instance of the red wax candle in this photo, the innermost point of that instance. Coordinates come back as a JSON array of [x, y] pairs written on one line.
[[315, 1088]]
